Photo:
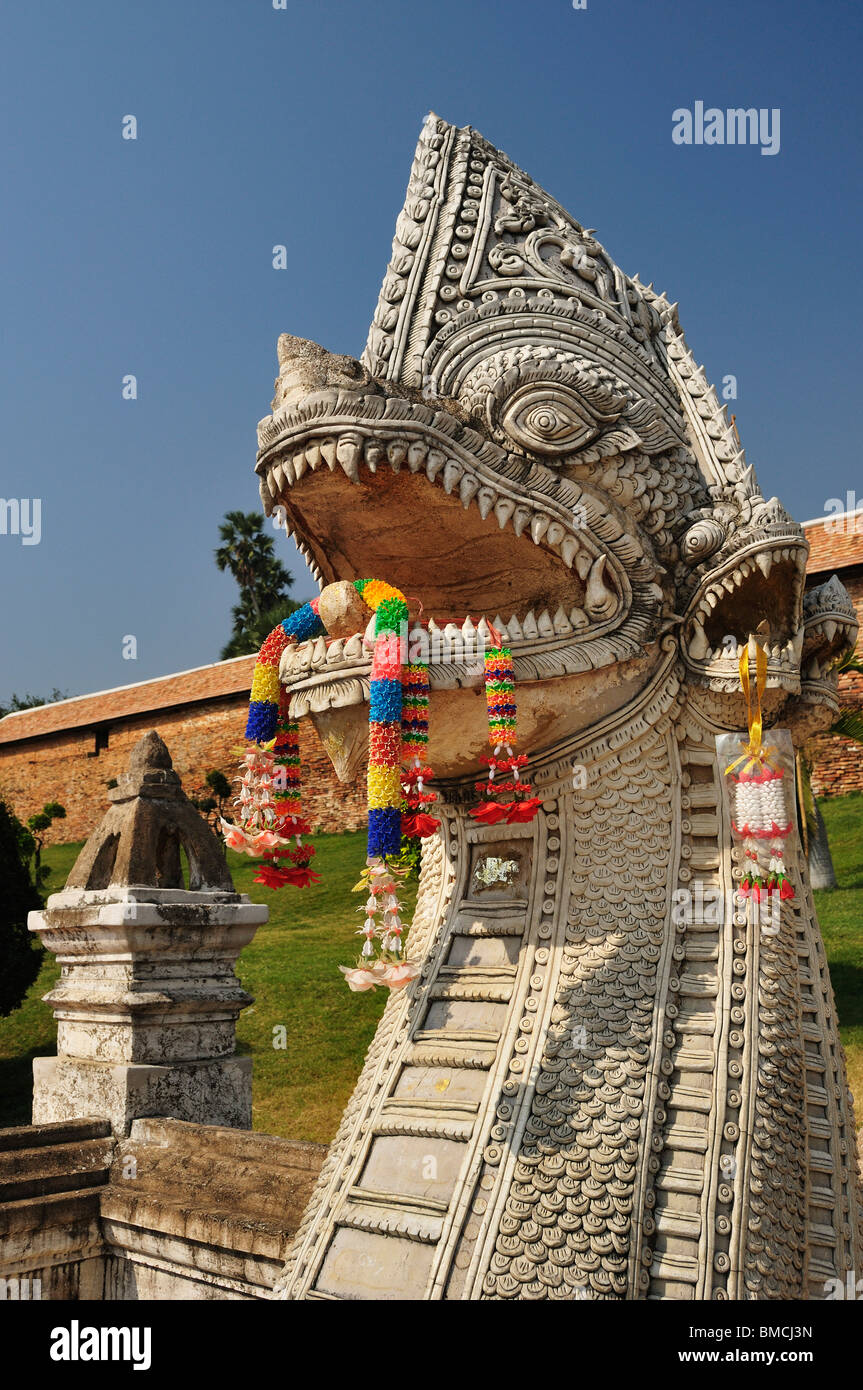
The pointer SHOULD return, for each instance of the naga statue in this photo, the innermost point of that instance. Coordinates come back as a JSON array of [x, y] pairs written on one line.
[[580, 1096]]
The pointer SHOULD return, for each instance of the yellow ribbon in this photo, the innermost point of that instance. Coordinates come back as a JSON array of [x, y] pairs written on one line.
[[755, 756]]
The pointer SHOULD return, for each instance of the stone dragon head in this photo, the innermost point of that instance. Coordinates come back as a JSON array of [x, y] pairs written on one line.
[[528, 441], [617, 1103]]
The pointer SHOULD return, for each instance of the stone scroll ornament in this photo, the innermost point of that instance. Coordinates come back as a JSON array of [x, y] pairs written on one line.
[[757, 781], [270, 823]]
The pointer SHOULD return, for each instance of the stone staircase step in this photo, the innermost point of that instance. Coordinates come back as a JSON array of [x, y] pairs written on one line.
[[392, 1221], [692, 1060], [672, 1223], [465, 982], [698, 986], [689, 1138], [38, 1171], [688, 1021], [393, 1121], [688, 1098], [820, 1161], [434, 1051], [688, 1180], [58, 1132], [683, 1268]]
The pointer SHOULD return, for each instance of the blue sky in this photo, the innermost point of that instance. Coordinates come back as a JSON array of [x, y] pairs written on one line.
[[259, 126]]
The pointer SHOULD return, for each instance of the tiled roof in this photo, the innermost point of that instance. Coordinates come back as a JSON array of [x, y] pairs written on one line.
[[165, 692], [835, 542]]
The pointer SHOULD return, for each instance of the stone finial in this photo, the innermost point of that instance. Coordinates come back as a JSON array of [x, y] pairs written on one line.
[[147, 999], [140, 837]]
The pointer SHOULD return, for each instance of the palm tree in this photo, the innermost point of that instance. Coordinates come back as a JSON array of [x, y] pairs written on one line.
[[250, 631], [249, 555]]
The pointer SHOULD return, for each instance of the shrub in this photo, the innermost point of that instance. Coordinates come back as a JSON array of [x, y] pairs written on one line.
[[20, 956]]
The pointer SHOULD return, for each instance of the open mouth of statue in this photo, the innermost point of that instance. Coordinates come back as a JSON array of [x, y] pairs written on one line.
[[486, 546], [761, 592], [473, 547], [454, 548]]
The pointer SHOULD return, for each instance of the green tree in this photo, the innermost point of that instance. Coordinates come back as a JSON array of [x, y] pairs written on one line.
[[249, 555], [17, 702], [212, 807], [38, 825], [20, 957]]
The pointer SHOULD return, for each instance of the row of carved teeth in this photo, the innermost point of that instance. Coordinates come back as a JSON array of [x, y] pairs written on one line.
[[762, 560], [814, 669], [828, 627], [349, 451], [787, 654], [446, 643]]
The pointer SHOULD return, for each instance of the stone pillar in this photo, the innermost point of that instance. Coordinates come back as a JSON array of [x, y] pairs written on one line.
[[147, 1001]]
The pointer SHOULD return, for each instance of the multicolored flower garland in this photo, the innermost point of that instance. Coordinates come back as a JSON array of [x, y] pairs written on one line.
[[386, 796], [385, 717], [503, 735], [270, 815], [416, 823], [266, 689]]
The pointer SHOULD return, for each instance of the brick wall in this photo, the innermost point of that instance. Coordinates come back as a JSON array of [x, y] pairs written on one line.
[[838, 762], [63, 766]]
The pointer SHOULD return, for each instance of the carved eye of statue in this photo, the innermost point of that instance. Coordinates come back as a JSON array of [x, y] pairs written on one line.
[[700, 541], [549, 419]]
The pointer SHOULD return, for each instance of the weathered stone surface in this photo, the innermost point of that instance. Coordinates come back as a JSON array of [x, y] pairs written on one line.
[[51, 1177], [198, 1212], [220, 1091], [151, 820], [600, 1101], [181, 1211], [147, 1000]]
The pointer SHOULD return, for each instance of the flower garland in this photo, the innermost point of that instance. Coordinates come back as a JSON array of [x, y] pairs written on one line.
[[270, 821], [269, 801], [285, 865], [394, 690], [385, 717], [270, 815], [416, 823], [760, 812], [502, 735], [263, 717]]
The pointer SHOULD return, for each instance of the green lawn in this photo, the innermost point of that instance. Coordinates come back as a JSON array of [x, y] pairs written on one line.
[[291, 969], [841, 916]]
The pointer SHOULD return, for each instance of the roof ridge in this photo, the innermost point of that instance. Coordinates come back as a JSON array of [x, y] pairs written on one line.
[[832, 516], [132, 685]]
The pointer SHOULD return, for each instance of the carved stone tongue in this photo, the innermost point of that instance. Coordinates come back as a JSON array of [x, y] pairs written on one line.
[[345, 735]]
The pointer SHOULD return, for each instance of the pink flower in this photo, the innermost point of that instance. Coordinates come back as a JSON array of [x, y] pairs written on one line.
[[266, 839], [397, 976], [362, 978], [234, 837]]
